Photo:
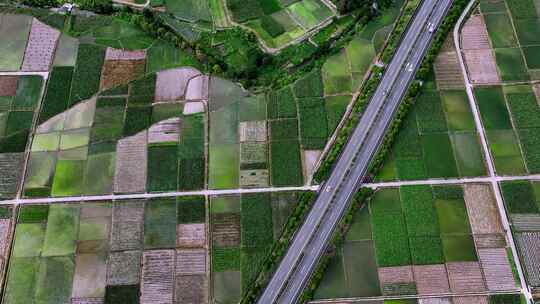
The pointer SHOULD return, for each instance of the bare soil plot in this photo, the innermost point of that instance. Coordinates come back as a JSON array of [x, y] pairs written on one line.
[[127, 226], [471, 300], [529, 246], [171, 84], [191, 289], [119, 54], [197, 88], [489, 240], [497, 269], [40, 48], [90, 276], [482, 209], [10, 166], [481, 66], [310, 159], [193, 107], [131, 164], [396, 280], [118, 72], [252, 131], [474, 34], [465, 277], [190, 235], [165, 131], [447, 69], [525, 222], [226, 230], [435, 301], [124, 268], [157, 277], [87, 300], [254, 178], [5, 236], [431, 279], [8, 85], [190, 261]]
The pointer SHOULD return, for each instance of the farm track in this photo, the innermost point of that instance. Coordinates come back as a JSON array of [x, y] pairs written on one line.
[[485, 149]]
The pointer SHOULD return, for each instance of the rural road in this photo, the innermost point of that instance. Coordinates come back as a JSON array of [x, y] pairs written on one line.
[[313, 236]]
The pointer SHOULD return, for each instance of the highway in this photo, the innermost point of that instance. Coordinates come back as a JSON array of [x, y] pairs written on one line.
[[311, 239]]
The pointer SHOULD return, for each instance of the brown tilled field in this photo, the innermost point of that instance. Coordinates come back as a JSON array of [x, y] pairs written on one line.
[[226, 230], [489, 240], [190, 261], [8, 85], [397, 280], [482, 209], [465, 277], [157, 282], [474, 35], [431, 279], [190, 235], [497, 269], [118, 72], [191, 289], [447, 70]]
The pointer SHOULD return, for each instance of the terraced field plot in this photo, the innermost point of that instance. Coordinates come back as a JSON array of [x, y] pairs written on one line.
[[277, 22], [510, 117], [418, 240], [243, 229], [110, 252]]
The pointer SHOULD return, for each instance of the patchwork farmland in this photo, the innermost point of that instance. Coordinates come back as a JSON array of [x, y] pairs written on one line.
[[422, 240]]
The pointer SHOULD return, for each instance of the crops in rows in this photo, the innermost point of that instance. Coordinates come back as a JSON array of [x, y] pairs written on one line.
[[509, 117], [418, 240], [121, 252], [438, 139], [243, 229]]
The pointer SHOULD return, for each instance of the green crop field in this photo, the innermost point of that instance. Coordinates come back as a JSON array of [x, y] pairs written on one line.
[[500, 30]]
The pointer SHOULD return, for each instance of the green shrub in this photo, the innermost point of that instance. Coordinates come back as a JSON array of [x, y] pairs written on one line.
[[286, 129], [420, 214], [87, 74], [224, 259], [137, 119], [281, 104], [190, 209], [56, 98], [426, 250], [33, 214], [519, 197], [286, 163], [530, 143], [256, 220], [310, 85], [271, 26]]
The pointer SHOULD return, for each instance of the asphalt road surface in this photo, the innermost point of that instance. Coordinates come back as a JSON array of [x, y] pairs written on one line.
[[311, 239]]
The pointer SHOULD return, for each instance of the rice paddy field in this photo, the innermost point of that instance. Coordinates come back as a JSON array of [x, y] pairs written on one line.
[[422, 240], [510, 117], [438, 138]]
